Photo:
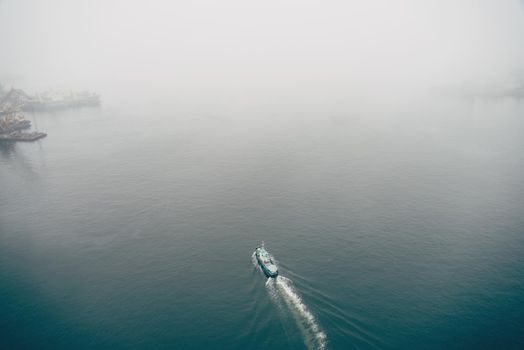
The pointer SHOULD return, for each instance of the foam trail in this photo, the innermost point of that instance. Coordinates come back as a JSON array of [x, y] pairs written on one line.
[[281, 288], [273, 292], [315, 337]]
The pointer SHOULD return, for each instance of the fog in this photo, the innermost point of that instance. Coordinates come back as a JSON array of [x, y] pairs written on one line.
[[331, 52]]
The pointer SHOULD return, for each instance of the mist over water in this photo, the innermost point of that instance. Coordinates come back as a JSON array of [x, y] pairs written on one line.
[[333, 131], [259, 50]]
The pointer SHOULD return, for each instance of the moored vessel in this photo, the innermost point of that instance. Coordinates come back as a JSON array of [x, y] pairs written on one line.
[[22, 136]]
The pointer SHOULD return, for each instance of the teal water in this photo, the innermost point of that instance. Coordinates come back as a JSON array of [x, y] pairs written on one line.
[[132, 227]]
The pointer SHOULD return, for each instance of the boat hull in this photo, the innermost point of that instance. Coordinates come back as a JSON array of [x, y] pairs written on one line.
[[267, 270]]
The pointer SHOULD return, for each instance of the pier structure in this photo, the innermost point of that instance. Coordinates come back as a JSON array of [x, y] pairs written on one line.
[[12, 119]]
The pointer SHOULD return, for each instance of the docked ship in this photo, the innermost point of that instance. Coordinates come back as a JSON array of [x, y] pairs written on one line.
[[11, 124], [22, 136], [13, 121], [266, 262], [52, 100]]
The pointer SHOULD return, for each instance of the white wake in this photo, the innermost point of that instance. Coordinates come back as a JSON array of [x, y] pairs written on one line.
[[314, 336], [281, 288]]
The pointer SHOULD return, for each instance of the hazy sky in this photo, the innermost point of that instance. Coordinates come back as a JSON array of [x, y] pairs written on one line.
[[281, 45]]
